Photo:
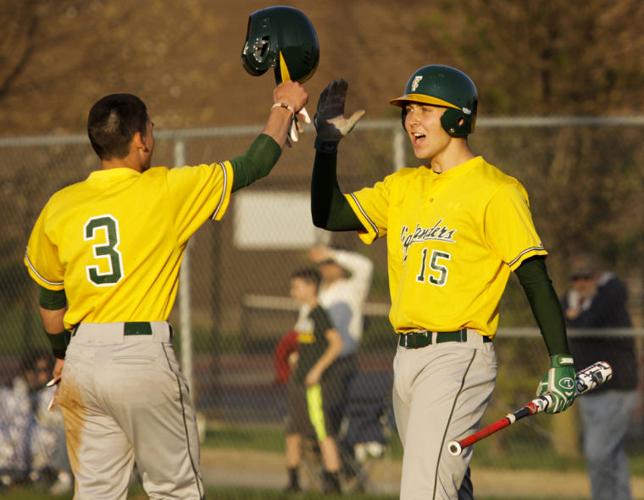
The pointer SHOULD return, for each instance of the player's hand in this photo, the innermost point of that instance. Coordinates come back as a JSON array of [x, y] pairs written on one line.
[[559, 382], [291, 93], [58, 368], [329, 121]]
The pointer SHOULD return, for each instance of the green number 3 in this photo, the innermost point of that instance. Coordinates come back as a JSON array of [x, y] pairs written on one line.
[[438, 271], [107, 250]]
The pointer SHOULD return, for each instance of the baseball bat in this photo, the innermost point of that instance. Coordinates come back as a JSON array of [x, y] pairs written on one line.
[[586, 380]]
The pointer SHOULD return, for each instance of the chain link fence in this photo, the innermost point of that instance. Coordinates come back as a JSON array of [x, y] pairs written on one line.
[[584, 176]]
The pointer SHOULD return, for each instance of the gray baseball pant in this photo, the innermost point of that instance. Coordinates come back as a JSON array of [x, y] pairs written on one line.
[[440, 393], [124, 400]]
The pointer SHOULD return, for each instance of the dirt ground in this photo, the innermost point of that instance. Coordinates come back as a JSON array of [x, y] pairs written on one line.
[[221, 467]]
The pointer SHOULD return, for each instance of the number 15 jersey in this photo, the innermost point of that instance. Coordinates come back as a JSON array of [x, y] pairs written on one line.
[[115, 241], [452, 240]]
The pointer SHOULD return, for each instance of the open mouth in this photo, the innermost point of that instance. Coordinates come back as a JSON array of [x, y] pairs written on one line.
[[418, 138]]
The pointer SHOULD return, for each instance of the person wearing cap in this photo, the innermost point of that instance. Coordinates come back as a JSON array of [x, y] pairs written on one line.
[[597, 299]]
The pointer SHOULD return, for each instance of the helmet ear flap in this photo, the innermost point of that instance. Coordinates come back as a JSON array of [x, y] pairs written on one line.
[[456, 123]]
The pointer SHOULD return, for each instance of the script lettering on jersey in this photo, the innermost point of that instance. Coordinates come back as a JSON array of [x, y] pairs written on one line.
[[438, 232]]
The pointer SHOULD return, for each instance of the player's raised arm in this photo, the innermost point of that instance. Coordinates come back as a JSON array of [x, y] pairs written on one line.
[[329, 208], [262, 155]]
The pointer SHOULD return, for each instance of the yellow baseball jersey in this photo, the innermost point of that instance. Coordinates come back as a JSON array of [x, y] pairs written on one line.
[[452, 241], [115, 241]]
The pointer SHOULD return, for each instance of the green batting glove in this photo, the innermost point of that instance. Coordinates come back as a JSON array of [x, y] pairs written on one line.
[[559, 382], [330, 122]]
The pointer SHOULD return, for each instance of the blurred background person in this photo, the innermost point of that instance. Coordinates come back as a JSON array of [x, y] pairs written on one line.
[[597, 299], [309, 395], [346, 280], [32, 438]]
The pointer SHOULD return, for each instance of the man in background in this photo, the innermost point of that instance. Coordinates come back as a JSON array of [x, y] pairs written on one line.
[[597, 299]]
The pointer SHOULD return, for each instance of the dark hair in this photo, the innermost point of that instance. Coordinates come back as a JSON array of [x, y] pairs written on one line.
[[308, 274], [112, 123]]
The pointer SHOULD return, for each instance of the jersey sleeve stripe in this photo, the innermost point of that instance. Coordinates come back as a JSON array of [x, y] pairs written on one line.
[[528, 252], [39, 277], [225, 191], [365, 216]]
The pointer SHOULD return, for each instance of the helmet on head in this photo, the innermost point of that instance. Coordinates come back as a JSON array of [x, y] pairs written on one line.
[[446, 87], [282, 38]]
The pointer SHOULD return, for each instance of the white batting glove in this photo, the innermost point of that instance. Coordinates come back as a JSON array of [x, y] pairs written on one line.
[[329, 121]]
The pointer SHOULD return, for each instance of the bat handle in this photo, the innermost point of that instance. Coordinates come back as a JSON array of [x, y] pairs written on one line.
[[455, 448]]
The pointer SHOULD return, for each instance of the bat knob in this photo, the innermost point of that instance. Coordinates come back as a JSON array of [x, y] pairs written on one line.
[[454, 448]]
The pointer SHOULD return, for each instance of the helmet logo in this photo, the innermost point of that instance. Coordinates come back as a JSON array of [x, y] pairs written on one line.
[[467, 111], [416, 82]]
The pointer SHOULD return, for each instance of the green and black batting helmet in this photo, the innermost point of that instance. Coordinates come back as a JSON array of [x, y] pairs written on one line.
[[283, 38], [446, 87]]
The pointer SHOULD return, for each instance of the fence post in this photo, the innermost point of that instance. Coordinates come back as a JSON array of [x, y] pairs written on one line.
[[185, 320], [398, 148]]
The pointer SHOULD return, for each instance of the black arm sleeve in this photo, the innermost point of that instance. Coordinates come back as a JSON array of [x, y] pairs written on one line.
[[329, 207], [52, 300], [544, 303], [257, 162]]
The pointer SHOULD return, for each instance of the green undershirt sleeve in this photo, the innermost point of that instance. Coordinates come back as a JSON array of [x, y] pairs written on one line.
[[52, 300], [329, 207], [544, 303], [257, 162]]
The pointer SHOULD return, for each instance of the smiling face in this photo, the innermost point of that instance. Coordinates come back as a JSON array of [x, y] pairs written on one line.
[[423, 126]]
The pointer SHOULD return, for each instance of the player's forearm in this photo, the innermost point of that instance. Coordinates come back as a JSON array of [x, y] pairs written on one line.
[[278, 124], [544, 303], [52, 320], [257, 162], [329, 207]]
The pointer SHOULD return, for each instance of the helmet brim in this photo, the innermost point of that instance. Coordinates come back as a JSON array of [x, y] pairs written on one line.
[[423, 99]]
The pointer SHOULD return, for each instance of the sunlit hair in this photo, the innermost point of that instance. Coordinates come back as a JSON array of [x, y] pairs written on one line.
[[112, 123]]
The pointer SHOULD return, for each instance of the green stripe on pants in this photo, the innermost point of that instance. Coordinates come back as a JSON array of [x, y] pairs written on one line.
[[316, 414]]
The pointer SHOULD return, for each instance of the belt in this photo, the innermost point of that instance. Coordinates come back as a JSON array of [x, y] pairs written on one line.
[[131, 328], [137, 328], [114, 333], [415, 340]]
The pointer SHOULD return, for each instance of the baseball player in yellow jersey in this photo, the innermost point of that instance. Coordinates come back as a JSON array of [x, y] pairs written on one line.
[[106, 254], [456, 227]]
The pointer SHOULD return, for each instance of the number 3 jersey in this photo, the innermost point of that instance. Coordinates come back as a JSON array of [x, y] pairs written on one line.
[[452, 241], [115, 241]]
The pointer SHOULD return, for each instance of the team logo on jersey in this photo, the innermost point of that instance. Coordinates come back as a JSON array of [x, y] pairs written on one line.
[[438, 232], [416, 82]]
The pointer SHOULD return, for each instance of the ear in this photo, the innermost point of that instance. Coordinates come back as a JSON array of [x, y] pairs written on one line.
[[138, 142]]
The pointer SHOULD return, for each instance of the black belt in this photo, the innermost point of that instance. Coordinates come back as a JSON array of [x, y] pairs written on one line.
[[137, 328], [132, 328], [414, 340]]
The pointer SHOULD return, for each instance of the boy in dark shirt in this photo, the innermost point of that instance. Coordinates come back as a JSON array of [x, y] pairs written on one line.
[[309, 397]]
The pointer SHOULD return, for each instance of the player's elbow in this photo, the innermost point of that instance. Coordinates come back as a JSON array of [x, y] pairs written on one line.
[[320, 221]]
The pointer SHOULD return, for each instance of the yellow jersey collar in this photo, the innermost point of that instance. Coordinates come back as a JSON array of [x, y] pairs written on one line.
[[113, 173], [459, 169]]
